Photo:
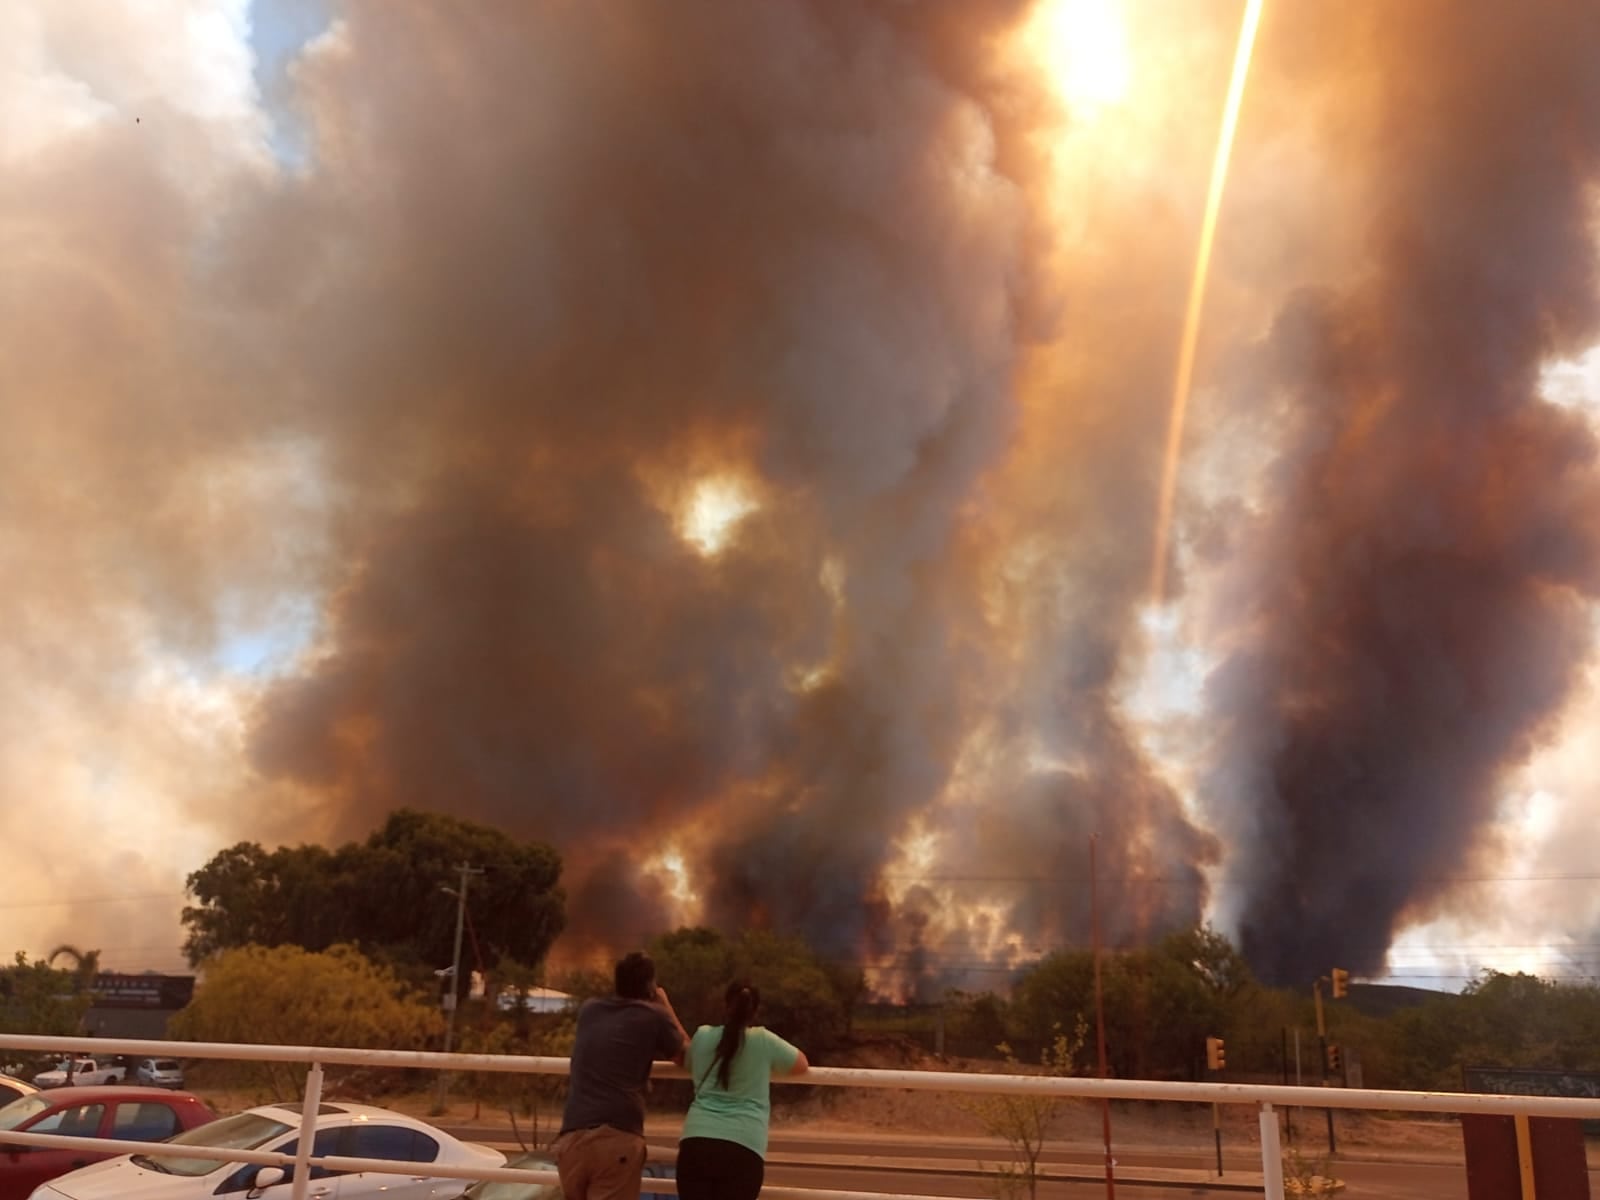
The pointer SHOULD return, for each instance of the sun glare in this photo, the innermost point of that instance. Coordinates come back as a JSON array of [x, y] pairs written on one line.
[[716, 505], [809, 679], [1082, 45]]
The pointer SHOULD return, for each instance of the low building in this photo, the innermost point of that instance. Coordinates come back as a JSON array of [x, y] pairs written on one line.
[[536, 999], [136, 1006]]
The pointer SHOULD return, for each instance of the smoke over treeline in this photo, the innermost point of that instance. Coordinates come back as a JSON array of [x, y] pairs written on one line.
[[1434, 555], [722, 440]]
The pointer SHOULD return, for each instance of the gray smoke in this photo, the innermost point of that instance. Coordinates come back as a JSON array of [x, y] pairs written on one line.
[[436, 387], [1426, 569]]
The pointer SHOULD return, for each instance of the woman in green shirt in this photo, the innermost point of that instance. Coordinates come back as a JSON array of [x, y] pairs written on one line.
[[722, 1154]]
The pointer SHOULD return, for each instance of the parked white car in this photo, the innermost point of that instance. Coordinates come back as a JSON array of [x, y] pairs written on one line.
[[159, 1072], [86, 1072], [349, 1130]]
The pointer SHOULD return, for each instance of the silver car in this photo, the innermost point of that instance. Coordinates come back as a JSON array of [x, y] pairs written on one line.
[[159, 1072]]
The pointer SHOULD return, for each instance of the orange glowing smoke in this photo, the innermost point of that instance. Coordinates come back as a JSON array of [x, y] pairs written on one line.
[[1197, 291]]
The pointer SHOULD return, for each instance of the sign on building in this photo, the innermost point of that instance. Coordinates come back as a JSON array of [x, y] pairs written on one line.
[[166, 992]]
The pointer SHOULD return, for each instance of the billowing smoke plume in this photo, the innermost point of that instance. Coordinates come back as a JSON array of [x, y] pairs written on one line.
[[1421, 606], [722, 440], [628, 249]]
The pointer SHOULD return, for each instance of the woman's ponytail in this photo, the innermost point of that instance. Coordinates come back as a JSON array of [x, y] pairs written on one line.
[[742, 1000]]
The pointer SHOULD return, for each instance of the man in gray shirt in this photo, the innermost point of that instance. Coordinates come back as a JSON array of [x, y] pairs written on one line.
[[600, 1151]]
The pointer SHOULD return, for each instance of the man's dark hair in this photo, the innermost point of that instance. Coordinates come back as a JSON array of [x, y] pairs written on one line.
[[636, 977]]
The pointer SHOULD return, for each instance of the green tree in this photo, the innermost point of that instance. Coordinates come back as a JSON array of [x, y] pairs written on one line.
[[284, 995], [384, 895], [1161, 1001], [37, 998], [1218, 967], [85, 965], [800, 996], [975, 1022], [803, 998], [1498, 1020], [536, 1097], [695, 966], [1058, 988]]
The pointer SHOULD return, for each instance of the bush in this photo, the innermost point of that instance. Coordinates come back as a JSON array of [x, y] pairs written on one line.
[[287, 996]]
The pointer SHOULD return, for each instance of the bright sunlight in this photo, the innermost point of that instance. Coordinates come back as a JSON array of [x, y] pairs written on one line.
[[1082, 46]]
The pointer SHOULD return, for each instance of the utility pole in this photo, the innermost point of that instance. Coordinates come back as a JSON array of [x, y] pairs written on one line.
[[1100, 1013], [1322, 1048], [1288, 1113], [452, 997], [1216, 1060]]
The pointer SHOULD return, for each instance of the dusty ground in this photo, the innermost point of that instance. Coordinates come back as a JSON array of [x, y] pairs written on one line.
[[1133, 1123]]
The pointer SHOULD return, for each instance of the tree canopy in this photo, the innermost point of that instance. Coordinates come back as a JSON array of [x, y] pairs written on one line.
[[1161, 1002], [38, 998], [383, 894], [803, 998], [285, 995]]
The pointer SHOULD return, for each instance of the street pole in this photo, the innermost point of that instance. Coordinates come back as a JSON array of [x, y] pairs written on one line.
[[1322, 1048], [1100, 1012], [452, 997], [1288, 1113], [1216, 1132]]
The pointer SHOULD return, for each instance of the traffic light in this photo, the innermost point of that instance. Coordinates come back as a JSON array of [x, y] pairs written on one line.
[[1216, 1054], [1333, 1057], [1341, 983]]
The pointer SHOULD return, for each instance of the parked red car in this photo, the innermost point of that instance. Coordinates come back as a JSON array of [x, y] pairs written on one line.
[[138, 1114]]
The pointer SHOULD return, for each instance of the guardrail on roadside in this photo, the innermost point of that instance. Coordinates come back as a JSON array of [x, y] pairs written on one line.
[[1266, 1097]]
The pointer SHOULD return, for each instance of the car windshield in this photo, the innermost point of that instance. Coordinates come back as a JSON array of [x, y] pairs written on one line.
[[247, 1131], [20, 1110], [166, 1064], [500, 1189]]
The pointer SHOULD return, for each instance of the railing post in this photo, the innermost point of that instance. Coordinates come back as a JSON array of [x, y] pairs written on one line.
[[1271, 1155], [308, 1132]]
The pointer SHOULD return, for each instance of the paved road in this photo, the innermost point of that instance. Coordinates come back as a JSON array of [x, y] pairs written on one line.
[[1363, 1180], [949, 1167], [856, 1179]]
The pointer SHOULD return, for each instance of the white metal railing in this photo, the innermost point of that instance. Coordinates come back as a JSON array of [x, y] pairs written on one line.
[[1267, 1097]]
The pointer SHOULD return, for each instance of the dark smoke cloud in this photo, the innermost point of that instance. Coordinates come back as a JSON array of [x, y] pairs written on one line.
[[635, 243], [448, 381], [1426, 570]]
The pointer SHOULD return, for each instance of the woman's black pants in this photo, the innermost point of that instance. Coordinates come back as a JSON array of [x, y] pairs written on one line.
[[712, 1169]]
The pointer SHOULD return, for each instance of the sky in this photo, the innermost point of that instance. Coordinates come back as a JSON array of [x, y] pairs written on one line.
[[729, 449]]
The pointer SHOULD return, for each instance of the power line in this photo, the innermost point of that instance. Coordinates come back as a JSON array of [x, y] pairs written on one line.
[[77, 900], [1232, 877]]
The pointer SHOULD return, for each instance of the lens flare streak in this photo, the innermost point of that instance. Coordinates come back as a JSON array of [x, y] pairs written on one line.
[[1197, 290]]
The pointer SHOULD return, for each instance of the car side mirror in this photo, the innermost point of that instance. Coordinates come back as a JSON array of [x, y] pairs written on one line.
[[265, 1178]]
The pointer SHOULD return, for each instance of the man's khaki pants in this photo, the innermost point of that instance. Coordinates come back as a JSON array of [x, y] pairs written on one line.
[[603, 1163]]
